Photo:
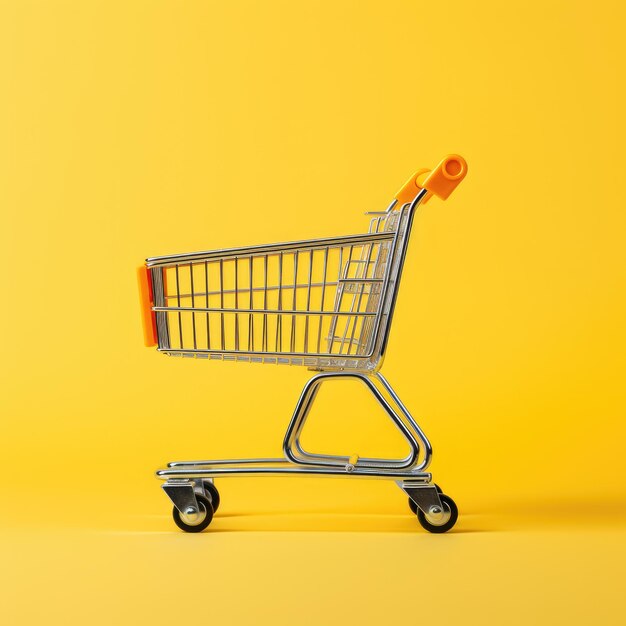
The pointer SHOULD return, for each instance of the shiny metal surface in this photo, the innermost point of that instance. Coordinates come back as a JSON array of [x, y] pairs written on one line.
[[398, 414], [262, 249], [183, 497], [245, 467], [427, 499]]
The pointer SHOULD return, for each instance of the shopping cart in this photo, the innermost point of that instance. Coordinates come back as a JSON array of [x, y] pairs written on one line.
[[326, 304]]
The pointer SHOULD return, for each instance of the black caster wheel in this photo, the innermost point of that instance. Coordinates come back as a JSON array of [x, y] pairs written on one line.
[[412, 504], [212, 494], [445, 522], [198, 522]]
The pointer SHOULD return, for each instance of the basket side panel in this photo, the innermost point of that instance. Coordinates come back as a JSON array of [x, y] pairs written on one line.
[[312, 305]]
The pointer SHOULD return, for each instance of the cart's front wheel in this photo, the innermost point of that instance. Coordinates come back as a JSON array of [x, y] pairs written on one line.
[[443, 521], [195, 522], [212, 493]]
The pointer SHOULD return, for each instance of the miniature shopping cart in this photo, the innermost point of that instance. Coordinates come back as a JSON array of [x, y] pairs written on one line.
[[326, 304]]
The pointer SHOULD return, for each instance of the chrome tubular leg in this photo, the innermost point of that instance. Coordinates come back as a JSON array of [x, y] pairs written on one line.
[[413, 425], [401, 418]]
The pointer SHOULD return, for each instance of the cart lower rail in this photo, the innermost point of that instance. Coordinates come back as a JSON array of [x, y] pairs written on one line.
[[275, 467]]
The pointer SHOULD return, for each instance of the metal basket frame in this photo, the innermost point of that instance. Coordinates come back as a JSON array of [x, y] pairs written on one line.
[[370, 296]]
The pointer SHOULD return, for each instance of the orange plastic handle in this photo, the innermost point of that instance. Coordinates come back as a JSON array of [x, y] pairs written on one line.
[[148, 318], [411, 188], [441, 181]]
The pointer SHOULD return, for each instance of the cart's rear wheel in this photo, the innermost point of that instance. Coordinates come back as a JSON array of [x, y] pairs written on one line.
[[412, 504], [195, 522], [441, 523], [212, 494]]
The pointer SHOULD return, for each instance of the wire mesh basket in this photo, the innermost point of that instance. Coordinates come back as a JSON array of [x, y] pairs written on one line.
[[318, 303]]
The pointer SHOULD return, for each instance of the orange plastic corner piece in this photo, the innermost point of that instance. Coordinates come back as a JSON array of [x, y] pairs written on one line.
[[411, 188], [148, 316], [443, 180]]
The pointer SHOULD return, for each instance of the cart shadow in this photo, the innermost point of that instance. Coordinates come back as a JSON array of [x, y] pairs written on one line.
[[514, 515], [311, 521]]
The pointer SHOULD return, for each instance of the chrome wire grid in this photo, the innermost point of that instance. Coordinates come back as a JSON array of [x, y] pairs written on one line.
[[318, 303]]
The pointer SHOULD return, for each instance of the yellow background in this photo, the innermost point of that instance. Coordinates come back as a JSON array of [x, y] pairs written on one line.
[[130, 129]]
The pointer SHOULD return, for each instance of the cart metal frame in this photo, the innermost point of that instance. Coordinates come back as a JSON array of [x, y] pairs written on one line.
[[250, 304]]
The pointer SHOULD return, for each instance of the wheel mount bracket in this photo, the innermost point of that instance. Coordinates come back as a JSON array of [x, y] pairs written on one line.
[[425, 496], [182, 495]]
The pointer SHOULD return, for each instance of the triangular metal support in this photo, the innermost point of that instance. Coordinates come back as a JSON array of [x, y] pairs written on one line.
[[420, 453]]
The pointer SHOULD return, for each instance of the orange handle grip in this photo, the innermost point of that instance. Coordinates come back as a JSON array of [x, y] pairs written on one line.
[[441, 181], [411, 188], [148, 318]]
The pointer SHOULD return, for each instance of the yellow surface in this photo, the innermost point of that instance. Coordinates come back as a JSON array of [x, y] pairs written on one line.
[[130, 129]]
